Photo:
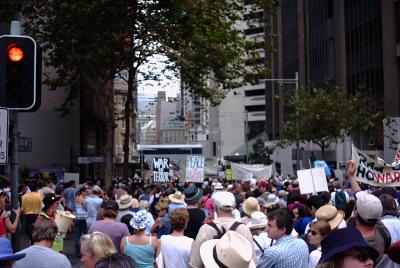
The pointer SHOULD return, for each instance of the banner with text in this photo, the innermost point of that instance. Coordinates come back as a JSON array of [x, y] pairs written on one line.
[[374, 171], [160, 169], [242, 171], [194, 168]]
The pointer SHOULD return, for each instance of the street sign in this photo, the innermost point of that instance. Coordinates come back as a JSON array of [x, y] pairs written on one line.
[[3, 136]]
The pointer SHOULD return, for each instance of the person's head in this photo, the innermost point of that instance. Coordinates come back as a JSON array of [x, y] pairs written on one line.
[[51, 203], [318, 230], [138, 221], [116, 260], [262, 185], [179, 219], [44, 230], [94, 247], [298, 212], [250, 205], [162, 209], [258, 222], [346, 248], [280, 223], [389, 205], [127, 219], [224, 203], [314, 203], [110, 209], [368, 209], [331, 215], [193, 195]]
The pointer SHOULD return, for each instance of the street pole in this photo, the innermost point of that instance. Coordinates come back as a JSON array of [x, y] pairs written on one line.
[[15, 30], [296, 82], [246, 138], [297, 125]]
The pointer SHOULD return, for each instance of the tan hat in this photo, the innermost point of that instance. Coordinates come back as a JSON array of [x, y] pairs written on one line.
[[125, 201], [177, 197], [330, 214], [135, 203], [258, 220], [250, 205], [233, 250], [282, 193]]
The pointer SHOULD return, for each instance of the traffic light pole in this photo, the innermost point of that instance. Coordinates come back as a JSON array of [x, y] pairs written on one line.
[[15, 30]]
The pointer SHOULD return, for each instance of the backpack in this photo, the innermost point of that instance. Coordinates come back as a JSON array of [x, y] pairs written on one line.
[[340, 199], [221, 233]]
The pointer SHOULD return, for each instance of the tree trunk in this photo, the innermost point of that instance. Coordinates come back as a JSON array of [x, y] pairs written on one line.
[[109, 142], [127, 119]]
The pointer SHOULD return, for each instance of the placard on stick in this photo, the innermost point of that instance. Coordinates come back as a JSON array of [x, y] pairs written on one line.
[[194, 168], [160, 169], [312, 180]]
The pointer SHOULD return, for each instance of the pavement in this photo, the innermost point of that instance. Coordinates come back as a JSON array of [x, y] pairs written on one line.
[[69, 249]]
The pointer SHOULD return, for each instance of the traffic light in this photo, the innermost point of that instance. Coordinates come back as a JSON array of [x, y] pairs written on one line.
[[20, 73]]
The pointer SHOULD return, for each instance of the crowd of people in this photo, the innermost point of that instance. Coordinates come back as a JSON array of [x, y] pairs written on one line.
[[218, 223]]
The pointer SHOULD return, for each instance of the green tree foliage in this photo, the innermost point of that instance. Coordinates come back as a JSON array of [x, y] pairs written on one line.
[[88, 41], [325, 117], [261, 154]]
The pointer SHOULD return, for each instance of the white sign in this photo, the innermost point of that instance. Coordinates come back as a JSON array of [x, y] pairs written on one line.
[[3, 136], [312, 180], [194, 168]]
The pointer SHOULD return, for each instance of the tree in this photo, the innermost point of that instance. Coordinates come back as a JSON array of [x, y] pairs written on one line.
[[261, 154], [88, 41], [327, 116]]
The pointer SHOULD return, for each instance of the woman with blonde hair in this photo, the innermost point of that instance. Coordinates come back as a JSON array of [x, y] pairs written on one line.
[[95, 246]]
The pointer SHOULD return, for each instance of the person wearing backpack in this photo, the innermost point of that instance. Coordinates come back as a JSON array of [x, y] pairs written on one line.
[[339, 198], [224, 205]]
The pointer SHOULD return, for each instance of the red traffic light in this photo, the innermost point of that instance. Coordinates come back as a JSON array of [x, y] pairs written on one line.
[[15, 54]]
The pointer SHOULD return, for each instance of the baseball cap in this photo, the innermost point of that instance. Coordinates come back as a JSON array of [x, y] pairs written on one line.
[[369, 206], [97, 189], [224, 199], [262, 183]]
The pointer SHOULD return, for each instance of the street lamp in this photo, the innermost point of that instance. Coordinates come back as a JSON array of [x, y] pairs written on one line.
[[295, 81]]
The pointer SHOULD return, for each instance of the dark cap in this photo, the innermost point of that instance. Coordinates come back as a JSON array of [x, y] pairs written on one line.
[[342, 240], [111, 205], [193, 194], [50, 199]]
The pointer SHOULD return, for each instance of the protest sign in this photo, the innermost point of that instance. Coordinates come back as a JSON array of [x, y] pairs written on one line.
[[228, 174], [194, 168], [160, 169], [374, 171], [312, 180]]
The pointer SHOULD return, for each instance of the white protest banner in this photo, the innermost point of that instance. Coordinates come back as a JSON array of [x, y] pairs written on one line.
[[375, 172], [160, 169], [312, 180], [194, 168], [259, 171]]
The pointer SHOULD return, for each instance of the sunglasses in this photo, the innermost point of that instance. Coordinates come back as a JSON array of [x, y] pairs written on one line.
[[313, 232], [362, 256]]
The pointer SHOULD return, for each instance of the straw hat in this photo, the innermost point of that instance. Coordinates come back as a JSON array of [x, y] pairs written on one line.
[[125, 201], [330, 214], [250, 205], [258, 220], [177, 197], [233, 250], [218, 186]]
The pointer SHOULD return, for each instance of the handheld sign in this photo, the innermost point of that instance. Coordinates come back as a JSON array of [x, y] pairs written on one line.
[[312, 180], [194, 168], [160, 169]]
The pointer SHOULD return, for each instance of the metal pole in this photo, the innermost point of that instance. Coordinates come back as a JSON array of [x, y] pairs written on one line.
[[15, 30], [246, 138], [297, 125]]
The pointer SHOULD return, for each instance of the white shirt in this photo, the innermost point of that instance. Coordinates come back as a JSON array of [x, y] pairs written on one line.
[[392, 223], [264, 241], [176, 251], [315, 255]]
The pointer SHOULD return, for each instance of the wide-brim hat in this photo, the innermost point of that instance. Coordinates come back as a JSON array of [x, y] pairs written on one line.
[[330, 214], [341, 240], [233, 250], [125, 201], [193, 194], [272, 199], [6, 252], [177, 197], [258, 220], [50, 199], [250, 205], [218, 186]]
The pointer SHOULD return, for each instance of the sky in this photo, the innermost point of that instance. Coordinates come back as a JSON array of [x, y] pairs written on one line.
[[168, 81]]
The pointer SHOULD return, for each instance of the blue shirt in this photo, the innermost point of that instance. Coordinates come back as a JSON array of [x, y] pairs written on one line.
[[69, 196], [92, 205], [287, 252]]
